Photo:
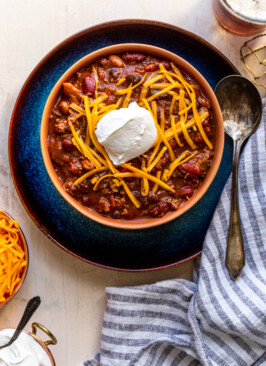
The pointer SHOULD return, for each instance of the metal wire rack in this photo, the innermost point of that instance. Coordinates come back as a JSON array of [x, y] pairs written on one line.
[[246, 51]]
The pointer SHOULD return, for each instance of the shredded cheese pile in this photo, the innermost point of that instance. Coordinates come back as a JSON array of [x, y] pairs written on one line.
[[12, 257], [166, 82]]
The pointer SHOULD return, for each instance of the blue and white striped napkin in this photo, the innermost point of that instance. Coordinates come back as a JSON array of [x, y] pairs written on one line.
[[213, 320]]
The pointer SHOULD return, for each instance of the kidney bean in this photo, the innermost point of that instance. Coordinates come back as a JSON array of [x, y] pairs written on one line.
[[89, 86], [64, 107], [153, 197], [203, 110], [68, 144], [186, 192], [207, 128], [192, 168], [87, 165], [205, 121], [202, 101], [159, 210], [116, 61], [151, 67], [173, 143], [166, 64], [75, 167], [198, 138], [130, 57], [162, 162]]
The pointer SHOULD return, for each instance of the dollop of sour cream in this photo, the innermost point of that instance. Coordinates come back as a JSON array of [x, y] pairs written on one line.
[[25, 351], [126, 133]]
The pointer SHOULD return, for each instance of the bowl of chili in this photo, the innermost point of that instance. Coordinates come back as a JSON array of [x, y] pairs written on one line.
[[165, 181]]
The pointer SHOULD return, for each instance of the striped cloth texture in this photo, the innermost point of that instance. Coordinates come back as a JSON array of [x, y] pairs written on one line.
[[213, 320]]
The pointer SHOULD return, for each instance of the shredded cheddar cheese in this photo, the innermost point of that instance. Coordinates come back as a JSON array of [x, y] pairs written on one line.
[[144, 182], [175, 134], [182, 159], [163, 91], [88, 174], [190, 123], [83, 147], [77, 108], [12, 257], [120, 81], [152, 81], [127, 98], [159, 85], [183, 119], [155, 187], [125, 91], [172, 155], [158, 157], [96, 81], [166, 74], [172, 105], [145, 175], [130, 195]]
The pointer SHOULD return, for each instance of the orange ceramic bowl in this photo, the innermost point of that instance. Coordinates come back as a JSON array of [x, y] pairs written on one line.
[[23, 243], [207, 91]]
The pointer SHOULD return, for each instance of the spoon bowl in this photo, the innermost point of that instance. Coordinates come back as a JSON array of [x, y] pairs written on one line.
[[241, 108]]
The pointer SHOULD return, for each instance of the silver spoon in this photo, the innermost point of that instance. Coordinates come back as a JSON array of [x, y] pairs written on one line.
[[31, 307], [241, 107]]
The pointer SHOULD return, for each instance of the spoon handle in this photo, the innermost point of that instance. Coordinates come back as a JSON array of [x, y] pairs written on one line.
[[31, 307], [235, 256]]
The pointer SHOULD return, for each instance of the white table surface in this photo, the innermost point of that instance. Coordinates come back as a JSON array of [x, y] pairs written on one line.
[[73, 292]]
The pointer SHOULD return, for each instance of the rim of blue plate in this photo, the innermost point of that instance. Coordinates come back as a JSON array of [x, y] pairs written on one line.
[[101, 27]]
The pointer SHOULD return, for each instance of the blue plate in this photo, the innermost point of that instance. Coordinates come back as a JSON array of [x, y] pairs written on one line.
[[136, 250]]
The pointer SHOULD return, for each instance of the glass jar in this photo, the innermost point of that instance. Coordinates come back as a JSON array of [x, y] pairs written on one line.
[[244, 17]]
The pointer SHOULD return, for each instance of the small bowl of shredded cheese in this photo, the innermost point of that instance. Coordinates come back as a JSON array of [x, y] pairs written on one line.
[[13, 257]]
